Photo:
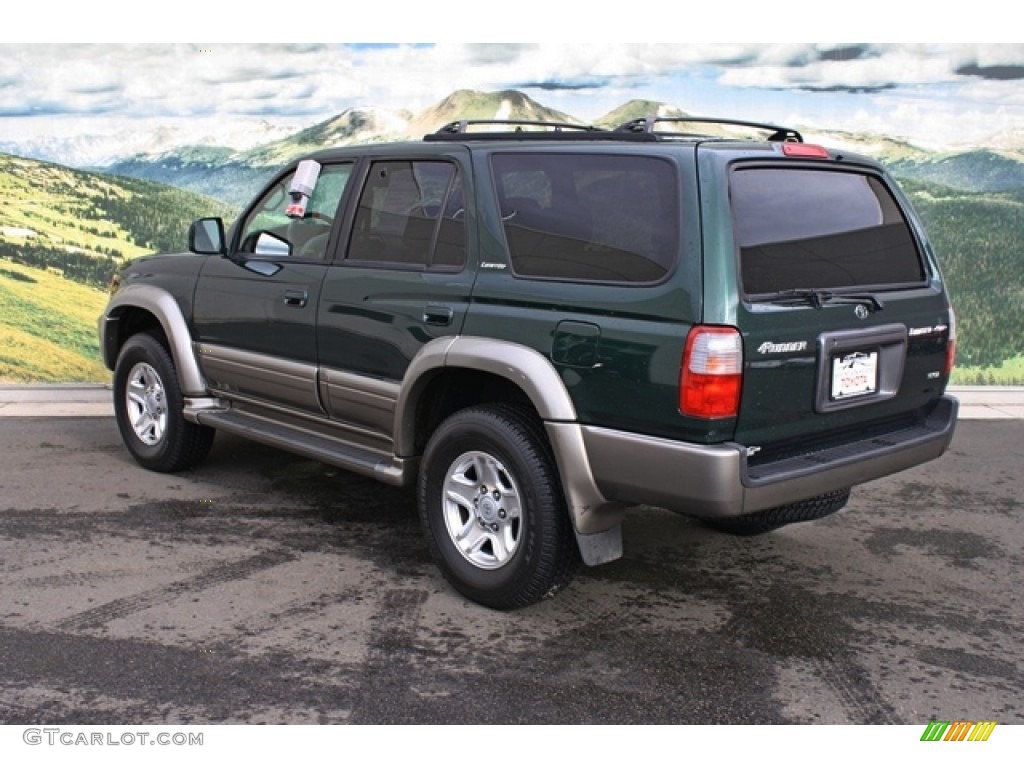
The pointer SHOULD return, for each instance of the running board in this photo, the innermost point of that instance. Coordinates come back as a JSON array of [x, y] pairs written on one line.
[[377, 464]]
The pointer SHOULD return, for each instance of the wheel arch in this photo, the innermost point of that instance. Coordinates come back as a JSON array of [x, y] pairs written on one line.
[[525, 374], [138, 308]]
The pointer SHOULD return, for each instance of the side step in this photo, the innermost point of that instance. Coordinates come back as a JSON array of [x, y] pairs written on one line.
[[376, 464]]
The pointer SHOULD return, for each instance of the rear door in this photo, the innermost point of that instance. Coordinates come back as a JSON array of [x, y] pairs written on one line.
[[841, 309], [401, 279]]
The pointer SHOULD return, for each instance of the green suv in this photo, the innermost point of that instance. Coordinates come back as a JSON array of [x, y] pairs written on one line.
[[539, 326]]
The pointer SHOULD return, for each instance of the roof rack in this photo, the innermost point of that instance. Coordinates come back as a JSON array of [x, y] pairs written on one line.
[[640, 129], [458, 130], [645, 125]]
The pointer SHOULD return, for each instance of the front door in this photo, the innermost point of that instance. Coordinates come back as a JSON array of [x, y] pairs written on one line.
[[255, 311]]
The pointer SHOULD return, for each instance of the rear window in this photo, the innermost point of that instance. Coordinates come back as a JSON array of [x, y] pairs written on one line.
[[603, 218], [804, 228]]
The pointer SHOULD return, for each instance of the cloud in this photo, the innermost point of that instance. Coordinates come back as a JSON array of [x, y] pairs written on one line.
[[299, 82], [553, 85], [139, 78], [995, 72], [250, 75], [845, 53], [872, 68], [485, 54]]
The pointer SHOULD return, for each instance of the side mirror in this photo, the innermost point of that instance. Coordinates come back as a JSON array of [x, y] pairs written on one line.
[[206, 237]]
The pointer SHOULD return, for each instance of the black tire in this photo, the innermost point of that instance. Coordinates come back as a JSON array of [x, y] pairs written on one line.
[[768, 520], [148, 407], [489, 475]]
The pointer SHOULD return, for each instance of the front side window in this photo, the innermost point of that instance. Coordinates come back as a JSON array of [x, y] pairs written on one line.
[[270, 231], [602, 218], [411, 212], [799, 228]]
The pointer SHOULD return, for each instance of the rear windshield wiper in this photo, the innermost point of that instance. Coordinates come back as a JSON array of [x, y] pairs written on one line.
[[818, 298], [858, 298]]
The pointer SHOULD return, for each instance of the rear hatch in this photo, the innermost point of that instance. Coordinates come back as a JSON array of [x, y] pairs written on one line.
[[844, 320]]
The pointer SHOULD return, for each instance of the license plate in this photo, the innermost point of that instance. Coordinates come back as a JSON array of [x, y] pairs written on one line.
[[854, 374]]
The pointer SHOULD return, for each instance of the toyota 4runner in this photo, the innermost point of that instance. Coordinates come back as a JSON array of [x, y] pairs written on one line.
[[541, 325]]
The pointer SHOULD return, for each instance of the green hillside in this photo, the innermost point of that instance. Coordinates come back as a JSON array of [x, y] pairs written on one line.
[[48, 327], [978, 239], [83, 224], [62, 234], [63, 231], [977, 171]]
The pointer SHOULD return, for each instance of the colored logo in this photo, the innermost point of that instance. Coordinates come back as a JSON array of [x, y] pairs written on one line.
[[958, 730]]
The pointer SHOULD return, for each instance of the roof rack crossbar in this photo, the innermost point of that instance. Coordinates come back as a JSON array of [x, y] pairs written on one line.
[[646, 125], [514, 130]]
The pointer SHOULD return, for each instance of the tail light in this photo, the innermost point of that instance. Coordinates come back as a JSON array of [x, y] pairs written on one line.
[[951, 343], [711, 377]]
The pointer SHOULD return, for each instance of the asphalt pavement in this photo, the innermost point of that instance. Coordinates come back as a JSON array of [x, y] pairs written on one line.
[[261, 587]]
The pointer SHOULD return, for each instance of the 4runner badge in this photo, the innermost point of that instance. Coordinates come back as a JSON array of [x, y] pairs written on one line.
[[771, 348]]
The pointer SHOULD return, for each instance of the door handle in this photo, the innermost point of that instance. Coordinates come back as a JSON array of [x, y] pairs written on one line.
[[296, 298], [437, 314]]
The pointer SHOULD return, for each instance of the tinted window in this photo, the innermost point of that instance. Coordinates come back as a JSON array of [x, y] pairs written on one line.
[[801, 228], [270, 231], [411, 212], [608, 218]]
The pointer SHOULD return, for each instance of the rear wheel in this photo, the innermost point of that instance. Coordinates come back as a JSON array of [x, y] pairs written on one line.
[[148, 406], [770, 519], [492, 508]]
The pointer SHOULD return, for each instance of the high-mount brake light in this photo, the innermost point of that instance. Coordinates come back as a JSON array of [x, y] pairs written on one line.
[[794, 149], [711, 375]]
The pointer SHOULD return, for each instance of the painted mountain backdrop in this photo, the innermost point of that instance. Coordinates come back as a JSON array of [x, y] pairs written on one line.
[[62, 230]]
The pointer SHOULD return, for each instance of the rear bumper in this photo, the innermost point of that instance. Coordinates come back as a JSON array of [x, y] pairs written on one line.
[[716, 481]]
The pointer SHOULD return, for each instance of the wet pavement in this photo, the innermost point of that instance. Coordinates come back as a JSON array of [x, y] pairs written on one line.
[[265, 588]]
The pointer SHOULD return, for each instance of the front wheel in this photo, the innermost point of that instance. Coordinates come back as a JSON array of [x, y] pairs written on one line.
[[148, 407], [492, 508]]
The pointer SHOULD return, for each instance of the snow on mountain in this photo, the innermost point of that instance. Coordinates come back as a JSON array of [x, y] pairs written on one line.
[[68, 145]]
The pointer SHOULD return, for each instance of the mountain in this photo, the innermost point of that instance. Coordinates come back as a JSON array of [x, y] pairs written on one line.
[[149, 138], [477, 105], [636, 108], [235, 177], [233, 182], [353, 126], [975, 171]]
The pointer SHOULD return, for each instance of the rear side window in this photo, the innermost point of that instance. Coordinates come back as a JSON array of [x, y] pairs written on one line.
[[411, 212], [803, 228], [603, 218]]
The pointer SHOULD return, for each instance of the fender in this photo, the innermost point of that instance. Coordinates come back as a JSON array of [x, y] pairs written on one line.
[[596, 520], [523, 366], [162, 305]]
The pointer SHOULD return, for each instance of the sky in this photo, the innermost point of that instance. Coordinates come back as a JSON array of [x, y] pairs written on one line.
[[937, 95]]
